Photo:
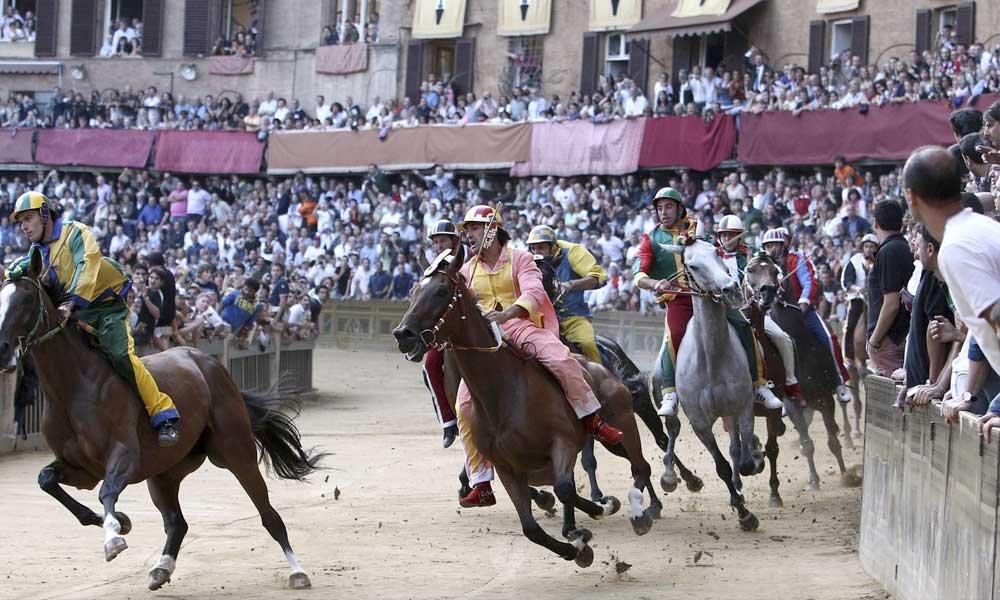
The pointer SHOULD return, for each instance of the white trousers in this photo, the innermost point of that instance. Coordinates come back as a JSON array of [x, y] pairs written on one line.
[[786, 348]]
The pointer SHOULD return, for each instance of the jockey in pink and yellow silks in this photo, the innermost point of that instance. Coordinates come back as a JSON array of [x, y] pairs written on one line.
[[508, 288]]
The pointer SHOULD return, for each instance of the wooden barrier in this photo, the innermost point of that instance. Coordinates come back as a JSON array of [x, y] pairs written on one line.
[[929, 522], [252, 369]]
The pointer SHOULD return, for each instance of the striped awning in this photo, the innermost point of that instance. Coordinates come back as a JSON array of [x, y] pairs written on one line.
[[29, 67], [700, 24], [825, 7]]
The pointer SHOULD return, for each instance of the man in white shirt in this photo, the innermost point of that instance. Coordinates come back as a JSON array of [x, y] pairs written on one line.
[[636, 104], [323, 111], [710, 83], [197, 199], [375, 110], [969, 258], [611, 245], [267, 107], [359, 280]]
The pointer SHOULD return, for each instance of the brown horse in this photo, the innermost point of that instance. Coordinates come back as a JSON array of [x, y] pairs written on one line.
[[521, 419], [98, 429]]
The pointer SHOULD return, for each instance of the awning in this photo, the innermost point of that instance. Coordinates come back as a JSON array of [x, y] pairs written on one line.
[[694, 25], [29, 67], [825, 7], [438, 19], [524, 17]]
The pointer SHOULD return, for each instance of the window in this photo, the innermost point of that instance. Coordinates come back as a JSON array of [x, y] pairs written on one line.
[[616, 55], [17, 21], [122, 33], [841, 38], [524, 63], [711, 50], [947, 17]]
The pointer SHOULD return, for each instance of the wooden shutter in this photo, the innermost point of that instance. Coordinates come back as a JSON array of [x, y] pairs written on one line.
[[681, 60], [261, 10], [465, 64], [817, 43], [638, 63], [83, 28], [152, 27], [734, 51], [923, 41], [414, 69], [965, 23], [859, 37], [202, 24], [46, 17], [589, 65]]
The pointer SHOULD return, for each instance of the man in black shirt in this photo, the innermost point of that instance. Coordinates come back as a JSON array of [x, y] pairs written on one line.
[[926, 357], [168, 288], [888, 320]]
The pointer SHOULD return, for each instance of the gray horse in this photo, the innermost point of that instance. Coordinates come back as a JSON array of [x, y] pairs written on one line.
[[714, 377]]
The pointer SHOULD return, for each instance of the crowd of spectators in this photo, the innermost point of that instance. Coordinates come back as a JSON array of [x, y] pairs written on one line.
[[348, 31], [17, 27], [124, 38]]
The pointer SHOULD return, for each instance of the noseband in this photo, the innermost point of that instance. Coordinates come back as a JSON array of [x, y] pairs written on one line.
[[429, 336], [32, 338]]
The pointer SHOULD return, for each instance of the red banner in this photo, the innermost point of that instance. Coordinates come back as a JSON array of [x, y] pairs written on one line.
[[230, 65], [687, 142], [15, 146], [215, 152], [118, 148], [339, 60]]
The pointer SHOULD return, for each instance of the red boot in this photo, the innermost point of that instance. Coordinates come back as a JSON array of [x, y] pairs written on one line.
[[794, 393], [481, 495], [606, 434]]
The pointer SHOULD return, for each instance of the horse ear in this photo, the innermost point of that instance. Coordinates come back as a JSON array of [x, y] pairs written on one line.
[[422, 262], [34, 264], [699, 230], [457, 261]]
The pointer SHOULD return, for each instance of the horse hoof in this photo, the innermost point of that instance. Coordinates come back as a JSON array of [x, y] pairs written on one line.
[[851, 478], [114, 547], [654, 511], [299, 581], [545, 501], [858, 435], [158, 577], [611, 505], [776, 502], [749, 522], [668, 484], [584, 557], [643, 524], [695, 484], [813, 485], [125, 522]]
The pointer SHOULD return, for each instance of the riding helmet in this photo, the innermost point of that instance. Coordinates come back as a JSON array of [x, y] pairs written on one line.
[[669, 193], [730, 223], [30, 201], [443, 227], [541, 234]]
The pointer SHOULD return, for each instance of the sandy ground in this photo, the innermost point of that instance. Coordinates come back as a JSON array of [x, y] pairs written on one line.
[[395, 529]]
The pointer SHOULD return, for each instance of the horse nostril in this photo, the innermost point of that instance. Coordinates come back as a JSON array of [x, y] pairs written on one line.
[[403, 334]]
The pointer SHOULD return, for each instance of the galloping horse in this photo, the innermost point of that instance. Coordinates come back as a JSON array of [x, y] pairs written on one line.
[[714, 377], [814, 365], [98, 430], [522, 421]]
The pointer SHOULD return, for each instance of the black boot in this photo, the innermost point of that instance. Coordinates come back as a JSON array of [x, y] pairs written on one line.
[[167, 434], [450, 433]]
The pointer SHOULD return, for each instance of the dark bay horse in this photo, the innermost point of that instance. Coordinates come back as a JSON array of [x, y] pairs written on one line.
[[814, 365], [521, 421], [98, 429]]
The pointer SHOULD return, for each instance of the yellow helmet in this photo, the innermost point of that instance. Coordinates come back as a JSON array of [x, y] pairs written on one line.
[[541, 234], [30, 201]]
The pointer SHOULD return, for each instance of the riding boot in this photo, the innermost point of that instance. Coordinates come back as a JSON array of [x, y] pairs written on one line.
[[450, 432], [480, 496], [668, 407], [167, 433], [604, 433], [766, 397]]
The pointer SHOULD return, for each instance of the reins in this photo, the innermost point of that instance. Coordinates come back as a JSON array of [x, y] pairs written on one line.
[[429, 336], [32, 338]]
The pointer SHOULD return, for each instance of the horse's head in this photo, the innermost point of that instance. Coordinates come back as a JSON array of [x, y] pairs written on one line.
[[21, 312], [548, 277], [706, 272], [430, 302], [763, 277]]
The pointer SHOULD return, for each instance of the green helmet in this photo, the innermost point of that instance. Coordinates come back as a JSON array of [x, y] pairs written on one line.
[[541, 234], [670, 193]]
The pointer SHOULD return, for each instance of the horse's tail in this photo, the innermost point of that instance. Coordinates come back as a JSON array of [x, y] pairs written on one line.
[[271, 418]]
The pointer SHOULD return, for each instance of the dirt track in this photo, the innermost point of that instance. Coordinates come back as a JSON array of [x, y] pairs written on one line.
[[396, 530]]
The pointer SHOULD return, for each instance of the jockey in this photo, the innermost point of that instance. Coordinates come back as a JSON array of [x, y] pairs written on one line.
[[803, 283], [852, 281], [444, 236], [92, 288], [662, 272], [576, 270], [508, 288], [735, 255]]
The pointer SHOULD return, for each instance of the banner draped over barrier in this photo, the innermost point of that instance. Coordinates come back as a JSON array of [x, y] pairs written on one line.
[[341, 59], [815, 137], [470, 147], [222, 152], [230, 65], [15, 146], [582, 148], [94, 147], [687, 142]]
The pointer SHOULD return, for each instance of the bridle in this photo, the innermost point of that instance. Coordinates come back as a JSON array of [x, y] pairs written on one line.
[[429, 336], [755, 295], [32, 338]]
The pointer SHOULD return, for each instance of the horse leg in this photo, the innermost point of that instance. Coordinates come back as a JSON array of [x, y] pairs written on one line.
[[518, 490], [642, 406], [692, 481], [463, 479], [848, 442], [122, 463], [543, 500], [641, 519], [797, 415], [56, 473], [771, 450], [748, 522], [569, 520], [240, 457], [163, 490], [828, 411], [565, 488], [735, 450], [668, 481], [856, 381], [589, 462]]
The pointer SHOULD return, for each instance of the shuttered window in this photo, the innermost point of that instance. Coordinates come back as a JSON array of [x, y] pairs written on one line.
[[465, 65], [859, 38], [682, 58], [83, 28], [638, 63], [414, 69], [965, 23], [923, 41], [588, 66], [46, 17], [202, 20], [152, 27]]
